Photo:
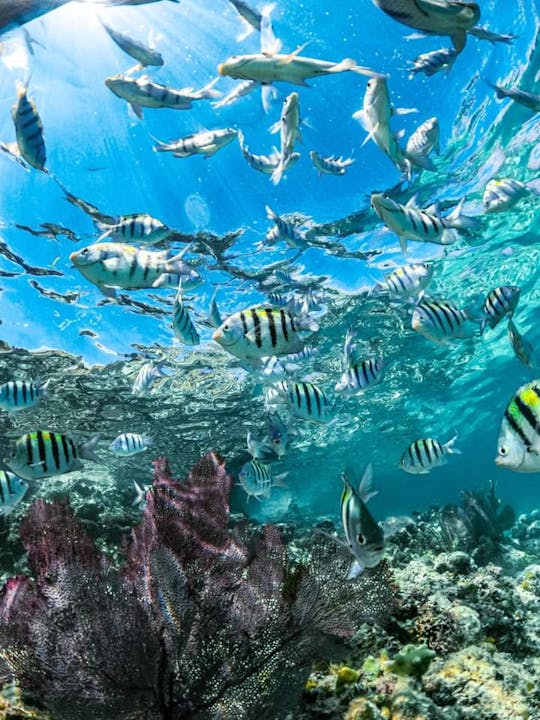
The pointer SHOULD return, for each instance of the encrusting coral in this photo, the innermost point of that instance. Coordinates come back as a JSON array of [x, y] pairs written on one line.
[[201, 622]]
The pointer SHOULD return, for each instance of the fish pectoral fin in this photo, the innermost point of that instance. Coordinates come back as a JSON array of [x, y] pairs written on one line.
[[403, 244], [137, 109], [355, 570], [107, 291]]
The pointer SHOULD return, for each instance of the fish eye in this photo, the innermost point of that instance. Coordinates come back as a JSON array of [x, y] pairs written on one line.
[[226, 327], [84, 252], [361, 539], [503, 451]]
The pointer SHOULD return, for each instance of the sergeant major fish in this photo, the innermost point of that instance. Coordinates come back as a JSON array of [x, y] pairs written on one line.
[[12, 491], [138, 227], [330, 165], [422, 142], [358, 374], [423, 455], [499, 303], [364, 536], [261, 332], [145, 55], [22, 394], [29, 130], [257, 480], [527, 99], [117, 265], [411, 223], [435, 17], [267, 68], [283, 230], [519, 436], [433, 62], [146, 377], [306, 400], [205, 143], [129, 444], [409, 281], [45, 454], [183, 326], [142, 92], [441, 322], [505, 193]]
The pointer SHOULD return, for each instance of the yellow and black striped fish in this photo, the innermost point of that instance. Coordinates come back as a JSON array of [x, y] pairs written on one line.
[[263, 331], [21, 394], [29, 130], [519, 437], [12, 491], [44, 454]]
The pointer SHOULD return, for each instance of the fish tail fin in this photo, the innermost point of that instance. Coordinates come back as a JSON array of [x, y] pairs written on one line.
[[449, 446], [366, 490], [499, 91], [349, 64], [459, 221], [277, 174], [279, 480], [270, 214], [422, 161], [140, 494], [268, 95], [534, 185], [355, 570], [86, 449], [208, 92], [148, 440]]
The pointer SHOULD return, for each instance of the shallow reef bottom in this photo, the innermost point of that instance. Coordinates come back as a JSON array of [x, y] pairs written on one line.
[[205, 616]]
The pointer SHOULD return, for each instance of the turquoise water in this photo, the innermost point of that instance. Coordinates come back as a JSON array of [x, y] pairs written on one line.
[[101, 152]]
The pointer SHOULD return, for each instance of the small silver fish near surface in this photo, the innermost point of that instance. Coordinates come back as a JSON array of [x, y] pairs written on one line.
[[142, 92], [205, 143], [522, 347], [364, 536], [522, 97], [18, 395], [289, 129], [257, 479], [500, 302], [28, 130], [139, 227], [145, 55], [442, 322], [519, 436], [330, 165], [146, 377], [283, 230], [422, 142], [128, 444], [423, 455], [262, 332], [433, 62], [503, 193], [12, 490], [409, 282], [44, 454]]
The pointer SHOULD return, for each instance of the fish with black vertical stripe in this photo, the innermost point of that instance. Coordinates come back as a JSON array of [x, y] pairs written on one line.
[[264, 331], [12, 491], [358, 374], [18, 395], [306, 400], [43, 454], [442, 322], [29, 130], [425, 454], [519, 436], [128, 444], [501, 302]]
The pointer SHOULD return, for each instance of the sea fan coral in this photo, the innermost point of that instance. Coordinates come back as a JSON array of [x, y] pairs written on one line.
[[201, 623]]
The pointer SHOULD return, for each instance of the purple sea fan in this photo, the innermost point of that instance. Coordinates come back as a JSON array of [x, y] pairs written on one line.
[[200, 624]]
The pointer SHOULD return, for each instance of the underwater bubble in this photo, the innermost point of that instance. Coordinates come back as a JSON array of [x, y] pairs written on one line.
[[197, 211], [507, 251]]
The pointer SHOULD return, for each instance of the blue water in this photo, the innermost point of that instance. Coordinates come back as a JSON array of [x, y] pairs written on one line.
[[103, 153]]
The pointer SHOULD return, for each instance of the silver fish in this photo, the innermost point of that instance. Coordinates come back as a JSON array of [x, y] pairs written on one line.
[[522, 347], [358, 374], [142, 92], [22, 394], [283, 230], [289, 129], [139, 227], [423, 455], [453, 18], [409, 281], [205, 143], [237, 92], [12, 491], [145, 55], [433, 62], [527, 99], [266, 164], [183, 326], [44, 454], [422, 142], [257, 480], [441, 322], [131, 444], [330, 165], [146, 377], [502, 194], [364, 536], [29, 130], [499, 303]]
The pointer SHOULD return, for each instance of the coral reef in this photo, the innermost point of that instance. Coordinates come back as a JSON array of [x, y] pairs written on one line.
[[201, 622]]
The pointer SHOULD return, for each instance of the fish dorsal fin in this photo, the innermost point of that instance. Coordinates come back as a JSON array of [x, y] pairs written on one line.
[[412, 202], [434, 208], [365, 489]]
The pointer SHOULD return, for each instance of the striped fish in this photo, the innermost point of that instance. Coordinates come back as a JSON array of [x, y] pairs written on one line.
[[519, 436], [283, 230], [409, 281], [265, 163], [412, 223], [138, 227], [21, 394], [183, 326], [422, 142], [29, 130], [499, 303], [503, 194], [289, 129], [257, 480], [262, 332], [360, 375], [330, 165], [307, 401], [433, 62], [423, 455], [44, 454], [142, 92], [130, 444], [145, 55], [205, 143], [441, 322], [364, 536], [237, 92], [12, 491], [119, 265]]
